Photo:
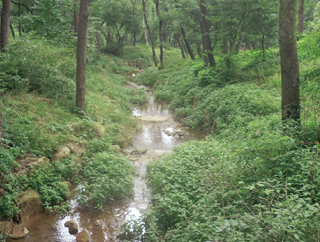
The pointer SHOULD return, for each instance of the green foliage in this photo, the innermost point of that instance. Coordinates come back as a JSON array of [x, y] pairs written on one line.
[[45, 180], [308, 47], [8, 205], [54, 194], [139, 96], [138, 56], [112, 48], [36, 66], [107, 177], [248, 184], [149, 77]]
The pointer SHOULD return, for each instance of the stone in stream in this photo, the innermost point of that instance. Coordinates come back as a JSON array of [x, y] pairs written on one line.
[[154, 119], [29, 205], [72, 226], [83, 236], [19, 232]]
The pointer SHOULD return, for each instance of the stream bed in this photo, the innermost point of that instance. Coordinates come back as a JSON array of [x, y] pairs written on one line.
[[155, 139]]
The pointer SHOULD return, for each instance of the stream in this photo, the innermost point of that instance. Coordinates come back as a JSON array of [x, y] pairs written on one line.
[[154, 139]]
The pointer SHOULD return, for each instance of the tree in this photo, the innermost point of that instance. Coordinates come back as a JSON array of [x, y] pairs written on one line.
[[187, 44], [1, 130], [144, 2], [81, 55], [300, 13], [206, 42], [180, 46], [160, 34], [289, 61], [5, 24], [76, 16]]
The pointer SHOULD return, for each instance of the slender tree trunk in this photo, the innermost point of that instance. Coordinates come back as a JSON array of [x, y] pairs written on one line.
[[262, 46], [187, 44], [1, 130], [109, 36], [105, 37], [149, 33], [76, 16], [81, 55], [5, 25], [134, 39], [160, 35], [178, 41], [199, 51], [289, 61], [300, 13], [99, 40], [19, 24], [126, 34], [144, 37], [225, 46], [12, 31], [183, 46], [206, 42]]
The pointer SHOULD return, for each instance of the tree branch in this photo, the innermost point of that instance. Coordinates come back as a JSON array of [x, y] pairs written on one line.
[[21, 4]]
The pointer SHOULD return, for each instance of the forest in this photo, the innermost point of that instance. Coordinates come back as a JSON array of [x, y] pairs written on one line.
[[245, 74]]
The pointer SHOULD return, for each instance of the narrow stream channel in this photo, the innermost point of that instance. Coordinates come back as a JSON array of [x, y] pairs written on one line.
[[155, 138]]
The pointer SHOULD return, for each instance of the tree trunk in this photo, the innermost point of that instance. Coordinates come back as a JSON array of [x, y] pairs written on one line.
[[206, 42], [131, 39], [19, 24], [5, 25], [160, 35], [187, 44], [289, 61], [76, 16], [1, 130], [144, 37], [126, 34], [149, 33], [199, 51], [99, 40], [262, 46], [178, 41], [12, 31], [81, 55], [300, 13], [225, 46], [109, 37], [134, 39]]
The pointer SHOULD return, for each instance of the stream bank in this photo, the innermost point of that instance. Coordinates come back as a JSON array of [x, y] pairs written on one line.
[[155, 139]]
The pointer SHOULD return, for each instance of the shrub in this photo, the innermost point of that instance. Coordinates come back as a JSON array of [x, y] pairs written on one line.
[[254, 186], [107, 177], [38, 67]]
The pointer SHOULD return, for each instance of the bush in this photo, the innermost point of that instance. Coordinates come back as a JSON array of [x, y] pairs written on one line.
[[149, 77], [252, 186], [107, 177], [38, 67], [112, 48]]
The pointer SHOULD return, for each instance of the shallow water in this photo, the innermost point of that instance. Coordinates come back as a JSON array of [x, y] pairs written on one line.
[[105, 225]]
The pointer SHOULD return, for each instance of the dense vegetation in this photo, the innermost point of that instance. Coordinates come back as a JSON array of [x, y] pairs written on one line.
[[39, 117], [251, 179], [254, 177]]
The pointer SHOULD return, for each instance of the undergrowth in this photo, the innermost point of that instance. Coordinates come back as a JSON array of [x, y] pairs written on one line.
[[251, 180], [37, 87]]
